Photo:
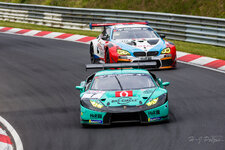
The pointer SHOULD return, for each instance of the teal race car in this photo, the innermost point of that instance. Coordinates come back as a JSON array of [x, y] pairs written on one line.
[[123, 92]]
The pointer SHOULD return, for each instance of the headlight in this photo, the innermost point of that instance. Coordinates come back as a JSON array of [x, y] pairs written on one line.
[[122, 52], [152, 102], [92, 104], [166, 51], [96, 104], [157, 101]]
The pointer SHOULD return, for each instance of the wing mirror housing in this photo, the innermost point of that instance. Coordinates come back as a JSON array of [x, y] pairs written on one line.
[[163, 36], [161, 83], [81, 87], [105, 37], [165, 83]]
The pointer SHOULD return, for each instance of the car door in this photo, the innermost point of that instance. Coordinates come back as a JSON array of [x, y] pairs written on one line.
[[102, 40]]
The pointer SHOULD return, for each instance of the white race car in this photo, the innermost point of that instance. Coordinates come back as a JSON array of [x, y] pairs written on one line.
[[131, 42]]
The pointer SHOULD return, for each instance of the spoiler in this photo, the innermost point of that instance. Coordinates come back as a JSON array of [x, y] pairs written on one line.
[[148, 65], [91, 25]]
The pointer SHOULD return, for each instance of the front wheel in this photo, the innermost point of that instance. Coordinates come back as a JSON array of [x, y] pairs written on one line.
[[93, 61], [107, 58]]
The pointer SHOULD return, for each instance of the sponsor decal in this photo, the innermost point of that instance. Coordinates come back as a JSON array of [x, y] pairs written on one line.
[[93, 95], [95, 121], [154, 119], [155, 112], [124, 93], [95, 115], [124, 100]]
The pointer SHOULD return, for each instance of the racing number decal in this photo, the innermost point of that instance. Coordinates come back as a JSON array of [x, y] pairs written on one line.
[[124, 93], [100, 45]]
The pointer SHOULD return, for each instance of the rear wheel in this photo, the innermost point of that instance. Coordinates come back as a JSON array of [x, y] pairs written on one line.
[[93, 60]]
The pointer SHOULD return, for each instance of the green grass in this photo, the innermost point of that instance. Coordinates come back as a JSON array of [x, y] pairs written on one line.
[[200, 49], [211, 8]]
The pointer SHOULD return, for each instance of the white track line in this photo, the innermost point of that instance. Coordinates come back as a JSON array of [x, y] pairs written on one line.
[[16, 138], [32, 32], [52, 35], [221, 71]]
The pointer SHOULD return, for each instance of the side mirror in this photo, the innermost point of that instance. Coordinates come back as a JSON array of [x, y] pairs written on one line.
[[162, 36], [79, 87], [165, 83], [105, 37], [83, 83]]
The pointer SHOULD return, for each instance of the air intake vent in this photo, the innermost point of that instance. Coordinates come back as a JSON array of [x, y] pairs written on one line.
[[152, 53], [138, 54]]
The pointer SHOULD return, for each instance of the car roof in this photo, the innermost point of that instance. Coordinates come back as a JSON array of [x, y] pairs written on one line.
[[126, 26], [122, 71]]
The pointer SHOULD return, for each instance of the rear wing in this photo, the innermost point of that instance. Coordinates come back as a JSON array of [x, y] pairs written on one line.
[[147, 65], [91, 25]]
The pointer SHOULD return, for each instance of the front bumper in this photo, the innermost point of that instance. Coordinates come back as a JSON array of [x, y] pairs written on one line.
[[166, 60], [88, 116]]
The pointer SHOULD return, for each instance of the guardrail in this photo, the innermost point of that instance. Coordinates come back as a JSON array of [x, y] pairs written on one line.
[[178, 27]]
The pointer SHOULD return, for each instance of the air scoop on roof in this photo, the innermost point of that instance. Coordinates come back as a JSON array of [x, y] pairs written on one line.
[[132, 43]]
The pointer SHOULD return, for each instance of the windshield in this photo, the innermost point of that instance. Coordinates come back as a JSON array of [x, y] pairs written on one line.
[[133, 33], [122, 82]]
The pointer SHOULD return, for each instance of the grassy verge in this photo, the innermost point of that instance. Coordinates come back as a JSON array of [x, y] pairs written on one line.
[[211, 8], [200, 49]]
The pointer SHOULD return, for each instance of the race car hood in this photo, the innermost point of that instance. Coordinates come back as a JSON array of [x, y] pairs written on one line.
[[124, 98], [133, 45]]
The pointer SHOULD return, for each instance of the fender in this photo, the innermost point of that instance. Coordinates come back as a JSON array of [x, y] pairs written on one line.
[[95, 42], [112, 52]]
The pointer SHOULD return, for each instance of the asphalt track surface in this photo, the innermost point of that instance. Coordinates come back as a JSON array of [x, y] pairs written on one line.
[[37, 96]]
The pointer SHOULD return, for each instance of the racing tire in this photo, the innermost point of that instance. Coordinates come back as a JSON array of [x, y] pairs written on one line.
[[107, 58], [93, 60]]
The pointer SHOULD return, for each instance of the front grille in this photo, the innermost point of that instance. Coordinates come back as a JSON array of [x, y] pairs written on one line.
[[120, 117], [153, 53], [140, 54]]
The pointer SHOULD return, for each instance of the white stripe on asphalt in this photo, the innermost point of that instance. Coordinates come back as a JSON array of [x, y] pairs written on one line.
[[222, 68], [180, 54], [14, 30], [31, 33], [16, 138], [74, 37], [203, 60], [189, 63], [53, 35]]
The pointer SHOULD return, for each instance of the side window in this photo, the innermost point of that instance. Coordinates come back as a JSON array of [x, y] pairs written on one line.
[[108, 31], [88, 81], [104, 32], [100, 36]]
